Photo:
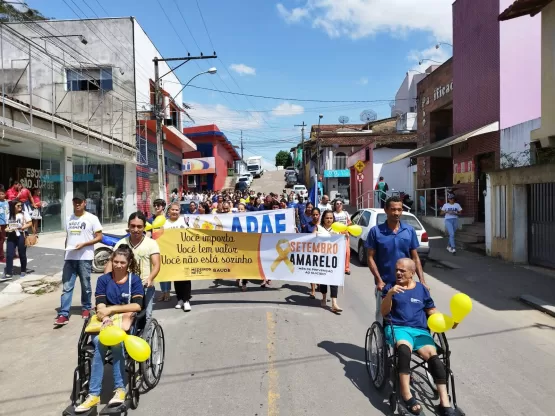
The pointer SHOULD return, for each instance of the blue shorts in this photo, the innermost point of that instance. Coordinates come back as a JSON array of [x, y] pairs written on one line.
[[416, 337]]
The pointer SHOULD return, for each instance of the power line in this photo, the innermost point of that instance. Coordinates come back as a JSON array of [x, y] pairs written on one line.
[[205, 27]]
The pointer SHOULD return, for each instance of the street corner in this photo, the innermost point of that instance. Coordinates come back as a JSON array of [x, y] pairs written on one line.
[[33, 284]]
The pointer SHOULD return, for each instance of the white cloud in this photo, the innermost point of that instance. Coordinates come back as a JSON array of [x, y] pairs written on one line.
[[224, 117], [292, 16], [361, 18], [243, 69], [362, 81], [286, 109]]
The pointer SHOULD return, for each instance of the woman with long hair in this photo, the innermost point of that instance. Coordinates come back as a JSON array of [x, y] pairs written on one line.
[[305, 216], [255, 204], [343, 217], [312, 227], [18, 222], [325, 229], [118, 292]]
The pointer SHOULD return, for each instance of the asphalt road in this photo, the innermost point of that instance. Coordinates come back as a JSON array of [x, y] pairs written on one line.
[[276, 352]]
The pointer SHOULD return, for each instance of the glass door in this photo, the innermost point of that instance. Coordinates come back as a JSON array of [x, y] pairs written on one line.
[[51, 190]]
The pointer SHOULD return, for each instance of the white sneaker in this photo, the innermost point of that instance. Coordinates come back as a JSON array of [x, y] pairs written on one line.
[[187, 307], [449, 249], [5, 277], [179, 304], [453, 250]]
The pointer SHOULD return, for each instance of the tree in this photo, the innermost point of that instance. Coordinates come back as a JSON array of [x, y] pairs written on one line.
[[10, 13], [283, 158]]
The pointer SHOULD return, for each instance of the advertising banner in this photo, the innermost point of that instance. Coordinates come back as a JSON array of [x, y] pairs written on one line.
[[275, 221], [463, 172], [195, 254], [199, 166]]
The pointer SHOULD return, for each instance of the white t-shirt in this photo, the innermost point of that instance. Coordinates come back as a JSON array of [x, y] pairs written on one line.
[[343, 217], [80, 230], [449, 208], [143, 253], [179, 223], [20, 220], [325, 207], [321, 230]]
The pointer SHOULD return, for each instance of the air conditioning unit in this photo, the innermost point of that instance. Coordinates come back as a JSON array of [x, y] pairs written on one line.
[[407, 122]]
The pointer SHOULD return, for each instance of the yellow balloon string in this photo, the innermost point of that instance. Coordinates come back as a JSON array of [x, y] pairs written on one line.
[[283, 256]]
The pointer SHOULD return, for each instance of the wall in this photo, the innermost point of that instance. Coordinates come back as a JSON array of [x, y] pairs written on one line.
[[406, 94], [520, 63], [515, 144], [398, 175], [475, 64], [109, 45], [224, 160], [516, 179]]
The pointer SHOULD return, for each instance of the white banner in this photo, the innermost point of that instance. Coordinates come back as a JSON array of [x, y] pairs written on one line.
[[264, 222]]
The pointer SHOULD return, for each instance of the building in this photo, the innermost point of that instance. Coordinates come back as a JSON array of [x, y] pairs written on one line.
[[86, 77], [521, 195], [404, 106], [207, 168], [335, 146]]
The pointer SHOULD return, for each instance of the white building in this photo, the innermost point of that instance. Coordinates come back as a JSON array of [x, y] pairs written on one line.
[[404, 106], [72, 90]]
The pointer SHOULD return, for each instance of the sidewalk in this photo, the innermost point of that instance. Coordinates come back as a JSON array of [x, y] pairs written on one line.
[[493, 282]]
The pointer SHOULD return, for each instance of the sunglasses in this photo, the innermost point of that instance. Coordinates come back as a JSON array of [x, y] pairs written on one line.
[[18, 206]]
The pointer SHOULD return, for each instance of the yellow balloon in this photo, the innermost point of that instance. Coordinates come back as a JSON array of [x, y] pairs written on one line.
[[137, 348], [338, 227], [242, 201], [112, 335], [148, 226], [354, 230], [439, 322], [159, 221], [461, 305]]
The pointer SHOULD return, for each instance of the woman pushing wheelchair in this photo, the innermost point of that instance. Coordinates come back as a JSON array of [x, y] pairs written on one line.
[[119, 296], [405, 308]]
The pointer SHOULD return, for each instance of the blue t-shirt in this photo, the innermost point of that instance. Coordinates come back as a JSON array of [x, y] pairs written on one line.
[[409, 308], [310, 227], [118, 294], [291, 205], [4, 212], [391, 247]]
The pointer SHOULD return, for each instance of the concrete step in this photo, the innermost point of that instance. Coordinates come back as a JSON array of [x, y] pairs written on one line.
[[471, 238], [230, 182], [478, 248]]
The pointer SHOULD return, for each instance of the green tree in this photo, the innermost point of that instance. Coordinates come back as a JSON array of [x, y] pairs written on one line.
[[283, 158], [10, 13]]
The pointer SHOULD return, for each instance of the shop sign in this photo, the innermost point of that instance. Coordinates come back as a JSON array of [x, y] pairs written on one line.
[[199, 166], [32, 178], [337, 173], [463, 172], [443, 90]]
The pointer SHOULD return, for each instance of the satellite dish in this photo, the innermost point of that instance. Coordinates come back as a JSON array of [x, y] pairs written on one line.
[[368, 116], [343, 119]]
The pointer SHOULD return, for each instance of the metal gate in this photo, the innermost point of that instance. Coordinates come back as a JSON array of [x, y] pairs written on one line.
[[541, 224]]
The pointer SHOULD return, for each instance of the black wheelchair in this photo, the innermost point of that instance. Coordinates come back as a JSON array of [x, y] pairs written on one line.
[[381, 364], [141, 377]]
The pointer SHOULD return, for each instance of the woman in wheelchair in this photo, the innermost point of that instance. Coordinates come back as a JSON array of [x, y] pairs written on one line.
[[119, 296], [405, 308]]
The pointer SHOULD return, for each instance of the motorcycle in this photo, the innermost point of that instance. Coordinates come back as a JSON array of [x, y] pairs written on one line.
[[102, 254]]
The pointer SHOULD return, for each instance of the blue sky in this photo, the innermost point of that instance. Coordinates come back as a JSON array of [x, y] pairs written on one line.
[[308, 49]]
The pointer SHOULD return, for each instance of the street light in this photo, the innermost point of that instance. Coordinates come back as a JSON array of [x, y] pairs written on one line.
[[442, 43], [82, 38], [431, 60], [414, 70], [210, 71]]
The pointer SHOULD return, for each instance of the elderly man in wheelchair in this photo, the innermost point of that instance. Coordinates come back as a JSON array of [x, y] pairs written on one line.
[[405, 308], [119, 301]]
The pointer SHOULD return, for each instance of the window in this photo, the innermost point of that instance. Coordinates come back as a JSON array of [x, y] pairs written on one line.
[[191, 181], [340, 161], [89, 79], [364, 219], [500, 193], [355, 217]]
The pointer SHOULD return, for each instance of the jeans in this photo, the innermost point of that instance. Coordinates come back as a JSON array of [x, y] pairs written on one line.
[[97, 366], [72, 269], [149, 300], [165, 286], [2, 239], [16, 242], [379, 317], [451, 225]]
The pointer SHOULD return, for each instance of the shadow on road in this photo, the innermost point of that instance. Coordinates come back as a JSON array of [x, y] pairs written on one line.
[[352, 358]]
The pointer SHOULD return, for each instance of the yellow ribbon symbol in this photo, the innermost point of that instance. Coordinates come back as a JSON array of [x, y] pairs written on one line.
[[283, 256]]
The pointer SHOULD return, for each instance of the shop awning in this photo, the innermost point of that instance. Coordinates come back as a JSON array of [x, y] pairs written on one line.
[[443, 147], [178, 139]]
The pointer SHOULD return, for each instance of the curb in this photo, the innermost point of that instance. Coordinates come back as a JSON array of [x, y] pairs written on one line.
[[31, 284], [538, 304]]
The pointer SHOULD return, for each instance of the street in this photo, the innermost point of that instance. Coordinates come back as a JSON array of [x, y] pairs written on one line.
[[277, 352]]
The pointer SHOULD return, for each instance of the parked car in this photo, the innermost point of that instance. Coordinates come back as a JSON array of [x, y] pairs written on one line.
[[291, 179], [241, 186], [289, 170], [300, 190], [369, 217], [245, 178]]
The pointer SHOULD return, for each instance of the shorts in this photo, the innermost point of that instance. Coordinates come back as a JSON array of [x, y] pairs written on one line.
[[416, 337]]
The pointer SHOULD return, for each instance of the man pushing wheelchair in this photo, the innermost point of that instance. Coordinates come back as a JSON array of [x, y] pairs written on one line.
[[405, 307]]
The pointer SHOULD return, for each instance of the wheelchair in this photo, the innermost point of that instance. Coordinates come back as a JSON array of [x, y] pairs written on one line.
[[381, 364], [141, 377]]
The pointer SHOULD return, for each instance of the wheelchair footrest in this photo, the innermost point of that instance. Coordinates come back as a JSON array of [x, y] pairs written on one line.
[[70, 411], [117, 409]]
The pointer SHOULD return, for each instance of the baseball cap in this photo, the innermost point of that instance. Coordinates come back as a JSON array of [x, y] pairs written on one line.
[[77, 195]]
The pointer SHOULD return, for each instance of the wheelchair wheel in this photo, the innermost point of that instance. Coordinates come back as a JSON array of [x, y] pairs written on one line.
[[134, 394], [151, 369], [81, 380], [376, 355]]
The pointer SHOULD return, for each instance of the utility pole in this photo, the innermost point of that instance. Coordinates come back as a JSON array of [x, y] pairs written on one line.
[[242, 158], [302, 126], [159, 113]]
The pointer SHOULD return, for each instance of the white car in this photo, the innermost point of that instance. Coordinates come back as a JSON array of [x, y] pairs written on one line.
[[245, 177], [300, 190], [369, 217]]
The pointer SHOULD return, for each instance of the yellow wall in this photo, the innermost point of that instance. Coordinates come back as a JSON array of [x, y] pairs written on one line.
[[548, 78]]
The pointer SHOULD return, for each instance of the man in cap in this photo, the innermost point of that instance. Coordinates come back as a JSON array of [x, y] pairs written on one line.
[[83, 232]]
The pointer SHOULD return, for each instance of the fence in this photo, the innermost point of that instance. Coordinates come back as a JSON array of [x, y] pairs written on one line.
[[430, 200]]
